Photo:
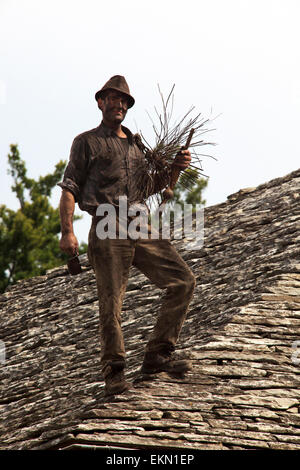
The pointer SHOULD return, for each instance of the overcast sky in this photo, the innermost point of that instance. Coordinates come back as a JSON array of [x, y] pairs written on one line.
[[236, 59]]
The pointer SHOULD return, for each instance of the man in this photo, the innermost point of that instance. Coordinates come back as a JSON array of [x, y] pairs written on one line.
[[104, 164]]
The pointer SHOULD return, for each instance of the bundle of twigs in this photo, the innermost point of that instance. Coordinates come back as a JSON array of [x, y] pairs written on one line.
[[169, 140]]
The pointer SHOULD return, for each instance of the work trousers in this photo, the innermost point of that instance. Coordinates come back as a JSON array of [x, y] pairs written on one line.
[[159, 261]]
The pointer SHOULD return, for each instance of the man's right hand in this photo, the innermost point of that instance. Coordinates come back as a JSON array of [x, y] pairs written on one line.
[[69, 244]]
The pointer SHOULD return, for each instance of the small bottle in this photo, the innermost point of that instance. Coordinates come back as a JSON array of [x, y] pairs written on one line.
[[74, 266]]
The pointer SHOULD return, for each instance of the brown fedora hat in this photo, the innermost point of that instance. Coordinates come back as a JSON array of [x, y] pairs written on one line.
[[118, 83]]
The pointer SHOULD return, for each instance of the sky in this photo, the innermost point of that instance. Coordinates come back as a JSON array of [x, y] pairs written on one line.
[[236, 61]]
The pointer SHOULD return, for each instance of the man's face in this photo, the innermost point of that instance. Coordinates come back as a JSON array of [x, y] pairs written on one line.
[[114, 107]]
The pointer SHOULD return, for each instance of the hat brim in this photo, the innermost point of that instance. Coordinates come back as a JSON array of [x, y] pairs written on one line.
[[131, 100]]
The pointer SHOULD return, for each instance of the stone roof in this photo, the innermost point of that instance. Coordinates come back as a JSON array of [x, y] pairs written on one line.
[[242, 333]]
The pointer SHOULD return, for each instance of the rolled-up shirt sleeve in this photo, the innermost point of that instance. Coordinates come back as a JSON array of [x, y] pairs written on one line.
[[76, 170]]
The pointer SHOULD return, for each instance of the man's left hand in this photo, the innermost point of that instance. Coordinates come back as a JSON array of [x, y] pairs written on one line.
[[182, 160]]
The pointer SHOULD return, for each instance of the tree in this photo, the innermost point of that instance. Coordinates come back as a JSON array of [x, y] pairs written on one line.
[[189, 189], [29, 236]]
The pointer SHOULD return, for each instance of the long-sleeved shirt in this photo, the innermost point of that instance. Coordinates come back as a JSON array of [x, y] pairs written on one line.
[[103, 166]]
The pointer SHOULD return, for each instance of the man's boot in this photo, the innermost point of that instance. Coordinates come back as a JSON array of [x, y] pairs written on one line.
[[161, 361], [114, 377]]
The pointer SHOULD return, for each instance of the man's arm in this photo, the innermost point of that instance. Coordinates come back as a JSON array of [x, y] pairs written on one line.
[[68, 241], [164, 177]]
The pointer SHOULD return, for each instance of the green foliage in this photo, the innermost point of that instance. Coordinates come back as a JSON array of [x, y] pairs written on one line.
[[29, 236], [189, 188]]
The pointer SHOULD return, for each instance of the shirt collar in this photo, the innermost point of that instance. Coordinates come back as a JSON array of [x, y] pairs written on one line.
[[110, 133]]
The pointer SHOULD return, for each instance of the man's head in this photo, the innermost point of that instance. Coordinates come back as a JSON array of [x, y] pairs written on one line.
[[114, 106], [114, 100]]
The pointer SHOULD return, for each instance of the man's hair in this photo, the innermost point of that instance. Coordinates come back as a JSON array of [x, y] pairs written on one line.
[[104, 94]]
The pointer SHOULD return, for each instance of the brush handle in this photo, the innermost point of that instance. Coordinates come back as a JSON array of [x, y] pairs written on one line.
[[168, 193]]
